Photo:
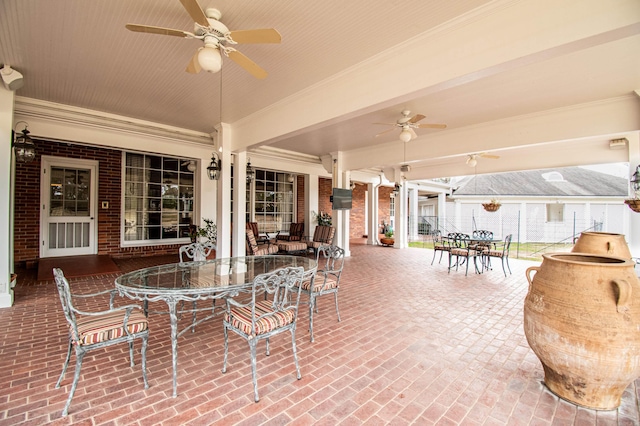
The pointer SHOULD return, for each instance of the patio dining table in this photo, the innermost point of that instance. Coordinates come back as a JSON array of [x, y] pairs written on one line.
[[192, 281]]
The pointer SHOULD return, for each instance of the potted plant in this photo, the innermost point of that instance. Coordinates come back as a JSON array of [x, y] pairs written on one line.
[[209, 232], [388, 238], [323, 218], [492, 205]]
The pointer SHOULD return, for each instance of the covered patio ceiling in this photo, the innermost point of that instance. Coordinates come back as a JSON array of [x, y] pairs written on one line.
[[537, 83]]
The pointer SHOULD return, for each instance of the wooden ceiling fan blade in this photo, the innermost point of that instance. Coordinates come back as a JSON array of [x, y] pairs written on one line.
[[194, 65], [195, 11], [417, 118], [386, 124], [156, 30], [386, 131], [432, 126], [492, 156], [246, 63], [265, 35]]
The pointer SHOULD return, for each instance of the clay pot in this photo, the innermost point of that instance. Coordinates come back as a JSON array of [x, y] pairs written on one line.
[[581, 318], [603, 243], [387, 241]]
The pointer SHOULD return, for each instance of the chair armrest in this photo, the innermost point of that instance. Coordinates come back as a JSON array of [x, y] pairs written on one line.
[[128, 308], [111, 297]]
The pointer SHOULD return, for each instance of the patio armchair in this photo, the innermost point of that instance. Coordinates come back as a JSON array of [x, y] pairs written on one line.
[[501, 251], [325, 281], [252, 246], [97, 330], [323, 235], [296, 231], [254, 228], [261, 319]]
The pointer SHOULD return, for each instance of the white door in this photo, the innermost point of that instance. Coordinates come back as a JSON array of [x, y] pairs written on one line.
[[68, 207]]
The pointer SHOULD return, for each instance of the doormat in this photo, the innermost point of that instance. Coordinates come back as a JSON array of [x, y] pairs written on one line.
[[77, 266]]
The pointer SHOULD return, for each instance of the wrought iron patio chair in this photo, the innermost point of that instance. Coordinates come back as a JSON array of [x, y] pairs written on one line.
[[96, 330], [330, 260], [501, 251], [483, 241], [195, 252], [256, 320], [463, 248], [440, 244]]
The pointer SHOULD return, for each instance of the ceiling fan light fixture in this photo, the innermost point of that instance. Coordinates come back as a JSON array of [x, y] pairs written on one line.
[[210, 59], [472, 162], [405, 135]]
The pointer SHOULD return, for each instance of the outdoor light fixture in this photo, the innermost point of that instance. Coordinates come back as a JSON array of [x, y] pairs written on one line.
[[250, 172], [352, 185], [405, 135], [396, 190], [635, 180], [23, 146], [213, 170], [11, 78]]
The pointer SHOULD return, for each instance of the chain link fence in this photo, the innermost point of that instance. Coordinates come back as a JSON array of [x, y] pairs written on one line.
[[532, 232]]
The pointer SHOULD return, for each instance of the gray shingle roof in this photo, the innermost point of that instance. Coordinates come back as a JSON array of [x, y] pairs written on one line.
[[575, 181]]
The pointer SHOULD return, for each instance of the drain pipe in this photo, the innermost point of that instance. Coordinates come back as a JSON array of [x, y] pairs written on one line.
[[375, 191]]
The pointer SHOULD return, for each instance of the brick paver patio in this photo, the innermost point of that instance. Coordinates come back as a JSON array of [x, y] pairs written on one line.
[[416, 345]]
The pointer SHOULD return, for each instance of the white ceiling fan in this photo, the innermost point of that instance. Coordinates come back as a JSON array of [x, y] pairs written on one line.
[[407, 123], [472, 159], [217, 40]]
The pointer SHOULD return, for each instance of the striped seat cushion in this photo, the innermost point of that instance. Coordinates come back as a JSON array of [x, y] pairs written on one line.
[[495, 253], [95, 329], [265, 250], [266, 318], [331, 283]]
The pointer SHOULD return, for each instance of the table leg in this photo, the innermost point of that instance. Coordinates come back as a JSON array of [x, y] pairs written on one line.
[[174, 343]]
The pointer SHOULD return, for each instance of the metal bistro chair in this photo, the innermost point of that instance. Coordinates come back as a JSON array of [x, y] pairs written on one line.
[[462, 248], [325, 281], [483, 241], [96, 330], [501, 251], [257, 320], [440, 244], [195, 252]]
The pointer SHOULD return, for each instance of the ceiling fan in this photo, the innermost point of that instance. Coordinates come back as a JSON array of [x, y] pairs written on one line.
[[191, 165], [472, 159], [217, 39], [407, 123]]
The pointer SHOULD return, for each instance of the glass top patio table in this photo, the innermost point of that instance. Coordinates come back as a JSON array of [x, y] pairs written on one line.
[[191, 281]]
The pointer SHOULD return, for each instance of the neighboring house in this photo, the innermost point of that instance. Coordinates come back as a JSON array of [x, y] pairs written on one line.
[[550, 205]]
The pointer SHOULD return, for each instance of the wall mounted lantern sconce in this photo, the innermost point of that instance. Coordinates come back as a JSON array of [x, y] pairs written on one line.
[[23, 146], [352, 185], [250, 172], [396, 190], [213, 170]]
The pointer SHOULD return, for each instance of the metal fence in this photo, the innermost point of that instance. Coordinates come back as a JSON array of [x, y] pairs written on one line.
[[531, 236]]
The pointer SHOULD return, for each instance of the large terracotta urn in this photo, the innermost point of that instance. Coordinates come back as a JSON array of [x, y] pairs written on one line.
[[582, 320], [604, 243]]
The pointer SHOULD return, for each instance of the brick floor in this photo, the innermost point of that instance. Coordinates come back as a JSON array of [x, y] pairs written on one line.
[[416, 345]]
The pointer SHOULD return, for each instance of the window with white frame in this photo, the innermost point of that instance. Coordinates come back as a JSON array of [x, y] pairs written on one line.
[[392, 206], [158, 198], [274, 201], [555, 212]]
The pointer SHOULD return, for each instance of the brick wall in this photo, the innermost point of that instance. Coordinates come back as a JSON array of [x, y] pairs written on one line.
[[357, 212], [300, 200], [27, 202], [325, 189], [384, 203]]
